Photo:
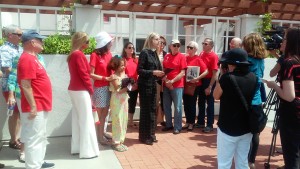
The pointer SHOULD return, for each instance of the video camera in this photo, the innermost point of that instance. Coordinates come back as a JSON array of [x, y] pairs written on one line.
[[274, 38]]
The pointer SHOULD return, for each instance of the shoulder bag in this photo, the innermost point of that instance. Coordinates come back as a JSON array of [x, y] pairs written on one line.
[[189, 88], [257, 118]]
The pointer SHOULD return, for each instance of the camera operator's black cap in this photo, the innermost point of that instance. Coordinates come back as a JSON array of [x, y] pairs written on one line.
[[236, 56]]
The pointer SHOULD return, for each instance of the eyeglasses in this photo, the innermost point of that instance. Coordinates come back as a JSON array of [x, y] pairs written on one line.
[[189, 47], [204, 43], [129, 47], [176, 45], [163, 43], [18, 34]]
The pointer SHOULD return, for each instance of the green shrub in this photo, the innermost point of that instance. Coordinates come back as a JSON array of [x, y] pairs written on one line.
[[2, 41], [61, 44], [57, 44]]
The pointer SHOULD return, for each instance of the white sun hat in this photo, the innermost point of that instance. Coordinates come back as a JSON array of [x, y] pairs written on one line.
[[102, 39]]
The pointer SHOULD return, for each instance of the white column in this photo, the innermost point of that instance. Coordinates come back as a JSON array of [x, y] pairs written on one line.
[[248, 24], [87, 18]]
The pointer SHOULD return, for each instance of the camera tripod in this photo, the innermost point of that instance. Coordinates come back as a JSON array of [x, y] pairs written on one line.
[[272, 101]]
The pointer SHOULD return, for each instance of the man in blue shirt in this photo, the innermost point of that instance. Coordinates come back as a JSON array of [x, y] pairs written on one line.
[[8, 51]]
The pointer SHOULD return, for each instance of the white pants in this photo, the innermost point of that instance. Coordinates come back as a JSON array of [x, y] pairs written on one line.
[[84, 139], [229, 147], [33, 135]]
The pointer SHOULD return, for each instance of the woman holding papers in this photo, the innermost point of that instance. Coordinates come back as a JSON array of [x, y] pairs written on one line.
[[196, 70]]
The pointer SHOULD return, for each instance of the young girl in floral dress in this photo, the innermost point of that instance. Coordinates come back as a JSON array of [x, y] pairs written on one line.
[[118, 104]]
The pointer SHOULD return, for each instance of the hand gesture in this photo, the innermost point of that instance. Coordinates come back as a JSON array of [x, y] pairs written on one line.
[[33, 113], [207, 91], [169, 84], [110, 78], [11, 100], [271, 84], [158, 73], [194, 80]]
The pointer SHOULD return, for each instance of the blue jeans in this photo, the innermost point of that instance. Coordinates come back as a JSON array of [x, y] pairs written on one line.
[[174, 95], [210, 104]]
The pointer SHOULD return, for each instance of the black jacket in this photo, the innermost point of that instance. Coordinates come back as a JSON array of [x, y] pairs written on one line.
[[148, 61]]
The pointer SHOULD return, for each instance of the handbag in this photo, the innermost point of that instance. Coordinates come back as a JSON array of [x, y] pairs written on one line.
[[189, 88], [257, 118]]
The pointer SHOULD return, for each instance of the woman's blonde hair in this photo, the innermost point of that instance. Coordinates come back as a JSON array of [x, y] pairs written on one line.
[[149, 40], [77, 41], [255, 46]]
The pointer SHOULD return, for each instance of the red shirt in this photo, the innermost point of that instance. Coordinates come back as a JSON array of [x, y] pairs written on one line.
[[79, 72], [29, 68], [196, 61], [178, 63], [211, 60], [131, 68], [100, 64]]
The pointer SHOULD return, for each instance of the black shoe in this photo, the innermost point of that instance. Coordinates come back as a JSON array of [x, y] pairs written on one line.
[[47, 165], [199, 125], [148, 141], [163, 123], [176, 131], [208, 129], [191, 127], [167, 128]]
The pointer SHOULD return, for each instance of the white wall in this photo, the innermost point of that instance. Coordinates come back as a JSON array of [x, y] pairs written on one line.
[[59, 122], [48, 24]]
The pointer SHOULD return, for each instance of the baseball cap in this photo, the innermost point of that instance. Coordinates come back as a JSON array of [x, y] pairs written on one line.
[[175, 41], [31, 34]]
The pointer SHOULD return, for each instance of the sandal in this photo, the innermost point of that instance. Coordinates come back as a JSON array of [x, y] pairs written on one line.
[[107, 136], [104, 142], [15, 145], [118, 148], [124, 146], [185, 126]]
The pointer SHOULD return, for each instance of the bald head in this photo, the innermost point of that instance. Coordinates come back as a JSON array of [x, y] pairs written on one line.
[[235, 43]]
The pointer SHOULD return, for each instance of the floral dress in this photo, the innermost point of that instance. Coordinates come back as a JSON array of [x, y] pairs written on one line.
[[119, 112]]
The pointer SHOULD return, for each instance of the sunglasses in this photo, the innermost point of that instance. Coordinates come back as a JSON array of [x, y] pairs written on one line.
[[18, 34], [130, 47], [189, 47], [204, 43], [176, 45], [163, 43]]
